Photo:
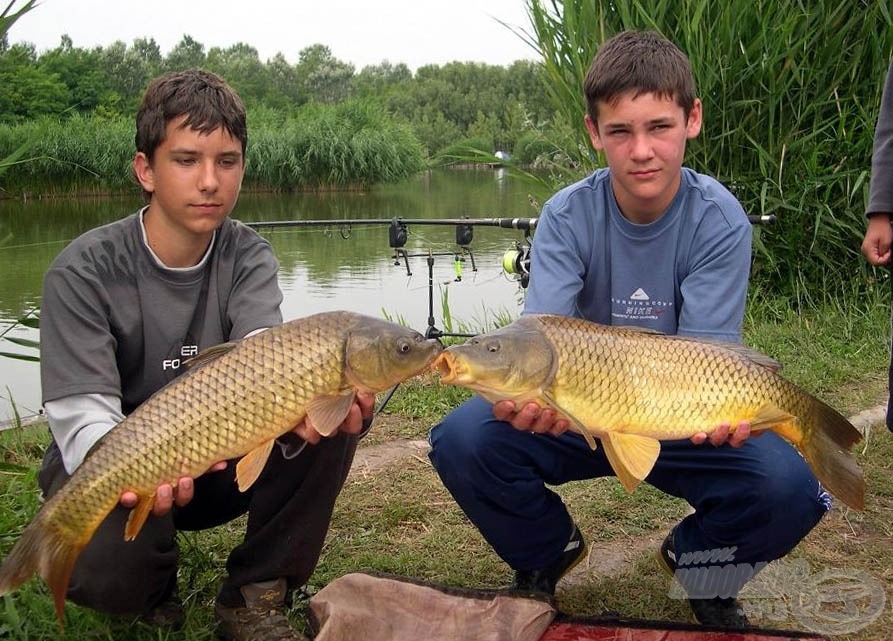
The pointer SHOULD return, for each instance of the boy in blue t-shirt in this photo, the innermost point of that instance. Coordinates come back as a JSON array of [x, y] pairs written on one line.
[[650, 243]]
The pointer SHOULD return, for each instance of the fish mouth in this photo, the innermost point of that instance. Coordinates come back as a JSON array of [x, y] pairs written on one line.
[[447, 367]]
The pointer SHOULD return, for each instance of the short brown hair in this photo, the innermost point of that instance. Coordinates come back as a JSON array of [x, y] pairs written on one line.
[[204, 98], [639, 62]]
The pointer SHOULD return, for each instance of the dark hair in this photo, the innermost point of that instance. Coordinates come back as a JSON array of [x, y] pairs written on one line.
[[639, 62], [204, 98]]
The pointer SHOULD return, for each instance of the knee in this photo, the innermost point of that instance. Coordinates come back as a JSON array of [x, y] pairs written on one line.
[[795, 498], [462, 440]]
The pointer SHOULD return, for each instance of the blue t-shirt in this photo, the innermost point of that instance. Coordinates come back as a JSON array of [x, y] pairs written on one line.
[[686, 273]]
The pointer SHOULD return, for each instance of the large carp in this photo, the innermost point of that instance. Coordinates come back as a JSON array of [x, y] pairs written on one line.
[[631, 388], [234, 401]]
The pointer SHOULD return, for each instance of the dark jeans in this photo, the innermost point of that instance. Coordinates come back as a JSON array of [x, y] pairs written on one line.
[[289, 509], [760, 499]]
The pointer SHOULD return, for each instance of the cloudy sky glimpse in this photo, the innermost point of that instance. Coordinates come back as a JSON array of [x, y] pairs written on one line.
[[361, 32]]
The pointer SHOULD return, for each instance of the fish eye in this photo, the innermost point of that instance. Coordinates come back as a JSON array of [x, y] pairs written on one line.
[[493, 347], [403, 346]]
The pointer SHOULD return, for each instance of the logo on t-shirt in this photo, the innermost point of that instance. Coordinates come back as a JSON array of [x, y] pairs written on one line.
[[185, 353], [638, 306]]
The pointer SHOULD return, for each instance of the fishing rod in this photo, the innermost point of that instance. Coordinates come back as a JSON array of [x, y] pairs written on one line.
[[515, 261]]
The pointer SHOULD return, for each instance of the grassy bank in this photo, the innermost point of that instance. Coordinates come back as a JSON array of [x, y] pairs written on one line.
[[399, 519], [346, 146]]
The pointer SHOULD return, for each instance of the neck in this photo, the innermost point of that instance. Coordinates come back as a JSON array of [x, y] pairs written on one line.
[[174, 246]]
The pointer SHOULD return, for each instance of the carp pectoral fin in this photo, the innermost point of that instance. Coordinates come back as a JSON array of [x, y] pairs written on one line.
[[576, 424], [138, 515], [252, 464], [632, 457], [586, 434], [328, 412], [770, 416]]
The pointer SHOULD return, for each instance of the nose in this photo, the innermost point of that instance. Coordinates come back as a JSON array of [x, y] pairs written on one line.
[[208, 179], [641, 147]]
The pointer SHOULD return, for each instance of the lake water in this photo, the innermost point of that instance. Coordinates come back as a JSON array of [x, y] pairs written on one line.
[[322, 267]]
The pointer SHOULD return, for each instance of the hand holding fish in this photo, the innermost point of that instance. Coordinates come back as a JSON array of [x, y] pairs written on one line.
[[166, 496], [353, 424], [724, 434], [530, 418]]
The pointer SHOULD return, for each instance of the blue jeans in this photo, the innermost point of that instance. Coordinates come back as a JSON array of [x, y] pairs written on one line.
[[760, 498]]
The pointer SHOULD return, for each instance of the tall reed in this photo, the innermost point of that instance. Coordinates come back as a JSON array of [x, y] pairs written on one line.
[[791, 91], [353, 144]]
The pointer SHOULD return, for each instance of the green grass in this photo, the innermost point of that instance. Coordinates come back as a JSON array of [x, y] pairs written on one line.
[[399, 519]]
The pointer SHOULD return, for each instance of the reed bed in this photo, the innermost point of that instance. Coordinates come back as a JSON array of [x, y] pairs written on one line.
[[347, 145]]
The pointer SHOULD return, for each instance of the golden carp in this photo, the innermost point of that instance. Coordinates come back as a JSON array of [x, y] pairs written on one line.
[[631, 387], [235, 400]]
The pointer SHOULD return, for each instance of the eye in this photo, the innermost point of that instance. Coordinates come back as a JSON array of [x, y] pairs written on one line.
[[403, 347], [493, 347]]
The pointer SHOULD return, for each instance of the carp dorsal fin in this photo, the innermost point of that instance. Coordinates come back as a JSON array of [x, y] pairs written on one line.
[[575, 423], [328, 412], [250, 466], [138, 515], [207, 355], [632, 456]]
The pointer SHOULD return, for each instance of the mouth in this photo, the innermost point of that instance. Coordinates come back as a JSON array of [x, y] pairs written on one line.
[[206, 206], [446, 367]]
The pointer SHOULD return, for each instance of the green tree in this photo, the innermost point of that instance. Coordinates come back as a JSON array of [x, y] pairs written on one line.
[[80, 71], [242, 68], [326, 79], [28, 91], [186, 54], [381, 79]]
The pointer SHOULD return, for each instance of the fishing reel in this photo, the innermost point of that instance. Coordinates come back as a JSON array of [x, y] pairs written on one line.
[[516, 263]]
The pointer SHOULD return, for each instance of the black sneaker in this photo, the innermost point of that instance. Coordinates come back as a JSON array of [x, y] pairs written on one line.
[[716, 612], [545, 580]]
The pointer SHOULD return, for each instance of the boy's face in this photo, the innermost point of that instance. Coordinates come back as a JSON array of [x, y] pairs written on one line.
[[194, 178], [643, 139]]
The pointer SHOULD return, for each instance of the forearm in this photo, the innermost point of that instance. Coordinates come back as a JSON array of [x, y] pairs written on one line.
[[78, 422]]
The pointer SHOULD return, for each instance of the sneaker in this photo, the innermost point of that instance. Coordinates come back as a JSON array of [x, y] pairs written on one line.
[[716, 612], [167, 614], [262, 618], [545, 580]]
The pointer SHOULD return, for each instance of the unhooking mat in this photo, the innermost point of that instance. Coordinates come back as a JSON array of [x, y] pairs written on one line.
[[376, 607]]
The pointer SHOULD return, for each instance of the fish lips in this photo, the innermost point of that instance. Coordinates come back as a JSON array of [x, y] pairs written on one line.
[[448, 367]]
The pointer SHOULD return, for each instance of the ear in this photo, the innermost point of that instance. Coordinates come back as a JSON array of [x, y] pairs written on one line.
[[693, 127], [592, 129], [142, 169]]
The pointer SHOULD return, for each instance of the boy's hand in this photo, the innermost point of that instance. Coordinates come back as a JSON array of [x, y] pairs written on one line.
[[353, 424], [724, 434], [878, 239], [530, 418], [166, 496]]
